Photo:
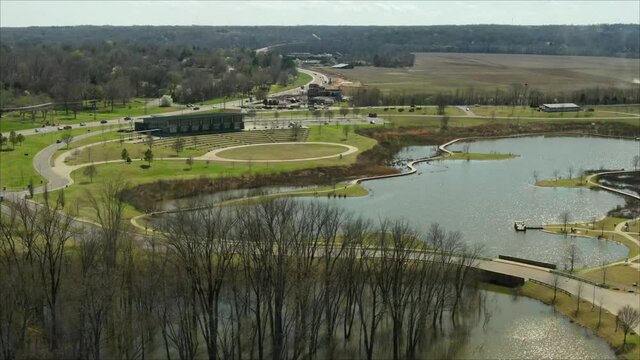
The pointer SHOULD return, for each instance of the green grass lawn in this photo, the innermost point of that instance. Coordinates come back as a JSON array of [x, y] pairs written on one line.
[[105, 151], [16, 166], [631, 109], [617, 276], [525, 111], [13, 121], [575, 182], [281, 151]]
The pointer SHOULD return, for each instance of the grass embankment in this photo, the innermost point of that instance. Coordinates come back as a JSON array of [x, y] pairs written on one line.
[[601, 229], [16, 165], [136, 107], [573, 182], [281, 151], [300, 80], [525, 111], [587, 317]]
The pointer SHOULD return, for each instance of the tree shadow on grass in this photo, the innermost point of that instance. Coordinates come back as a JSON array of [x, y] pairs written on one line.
[[145, 166]]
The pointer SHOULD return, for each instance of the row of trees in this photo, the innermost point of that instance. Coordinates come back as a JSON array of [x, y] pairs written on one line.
[[516, 95], [276, 280], [13, 139]]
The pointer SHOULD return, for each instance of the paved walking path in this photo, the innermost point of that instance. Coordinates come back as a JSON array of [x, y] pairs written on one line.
[[213, 155]]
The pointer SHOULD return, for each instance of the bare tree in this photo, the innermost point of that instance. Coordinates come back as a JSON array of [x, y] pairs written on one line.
[[90, 171], [346, 129], [579, 296], [149, 140], [67, 138], [565, 217], [572, 255], [555, 282], [344, 111], [178, 145], [203, 242], [629, 317]]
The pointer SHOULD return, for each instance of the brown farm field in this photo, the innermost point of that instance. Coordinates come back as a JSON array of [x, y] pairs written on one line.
[[486, 72]]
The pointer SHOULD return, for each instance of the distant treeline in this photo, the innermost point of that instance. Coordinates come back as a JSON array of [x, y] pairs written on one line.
[[193, 63], [516, 95], [618, 40]]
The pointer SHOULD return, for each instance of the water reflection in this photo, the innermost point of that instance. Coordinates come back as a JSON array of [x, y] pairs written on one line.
[[522, 328], [483, 198]]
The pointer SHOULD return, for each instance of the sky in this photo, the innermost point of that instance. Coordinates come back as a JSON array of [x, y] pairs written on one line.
[[112, 12]]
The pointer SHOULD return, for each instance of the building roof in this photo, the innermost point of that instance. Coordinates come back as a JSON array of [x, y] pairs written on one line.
[[560, 105]]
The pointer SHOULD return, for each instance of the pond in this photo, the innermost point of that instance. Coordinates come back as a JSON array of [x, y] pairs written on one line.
[[523, 328], [482, 199]]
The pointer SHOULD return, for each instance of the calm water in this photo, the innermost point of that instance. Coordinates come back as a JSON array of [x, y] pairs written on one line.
[[481, 199], [522, 328]]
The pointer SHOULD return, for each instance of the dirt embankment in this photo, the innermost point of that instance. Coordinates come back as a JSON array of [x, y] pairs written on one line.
[[145, 197]]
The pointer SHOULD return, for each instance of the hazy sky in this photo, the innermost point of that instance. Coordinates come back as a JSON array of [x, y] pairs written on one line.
[[45, 13]]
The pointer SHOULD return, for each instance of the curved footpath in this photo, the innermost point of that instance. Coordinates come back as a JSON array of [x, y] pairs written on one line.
[[213, 155]]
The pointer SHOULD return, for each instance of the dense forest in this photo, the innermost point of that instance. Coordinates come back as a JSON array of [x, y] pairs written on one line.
[[195, 63], [276, 280], [110, 71]]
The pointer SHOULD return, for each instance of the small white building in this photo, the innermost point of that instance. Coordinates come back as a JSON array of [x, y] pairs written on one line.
[[562, 107]]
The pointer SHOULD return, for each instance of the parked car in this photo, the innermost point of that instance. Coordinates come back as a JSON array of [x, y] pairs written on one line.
[[37, 130], [67, 127], [103, 121], [60, 128], [196, 108], [58, 141], [372, 121], [83, 124], [127, 118]]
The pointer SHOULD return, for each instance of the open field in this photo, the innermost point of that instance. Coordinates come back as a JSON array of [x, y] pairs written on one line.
[[281, 152], [442, 72], [16, 166]]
